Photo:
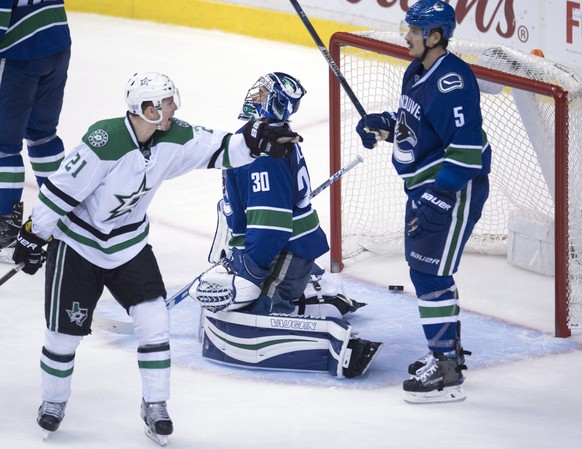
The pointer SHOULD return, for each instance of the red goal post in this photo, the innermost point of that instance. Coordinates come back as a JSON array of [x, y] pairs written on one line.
[[532, 112]]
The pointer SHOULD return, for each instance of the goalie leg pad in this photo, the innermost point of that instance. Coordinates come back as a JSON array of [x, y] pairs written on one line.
[[331, 306], [219, 247], [277, 341]]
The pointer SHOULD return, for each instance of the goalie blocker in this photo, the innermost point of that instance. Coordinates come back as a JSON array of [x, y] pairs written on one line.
[[286, 342]]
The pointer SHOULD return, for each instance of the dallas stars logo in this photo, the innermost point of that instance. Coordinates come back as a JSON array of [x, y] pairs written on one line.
[[128, 202], [77, 315]]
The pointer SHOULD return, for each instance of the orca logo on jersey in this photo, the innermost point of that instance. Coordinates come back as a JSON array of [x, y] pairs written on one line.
[[449, 82], [98, 138], [404, 133]]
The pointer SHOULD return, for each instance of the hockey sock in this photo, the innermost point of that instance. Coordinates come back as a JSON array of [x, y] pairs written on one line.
[[154, 367]]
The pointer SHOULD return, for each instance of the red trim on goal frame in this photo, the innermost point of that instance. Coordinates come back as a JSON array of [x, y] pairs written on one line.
[[560, 97]]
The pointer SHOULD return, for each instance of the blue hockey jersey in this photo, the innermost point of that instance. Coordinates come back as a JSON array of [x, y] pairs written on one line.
[[438, 135], [268, 209], [32, 30]]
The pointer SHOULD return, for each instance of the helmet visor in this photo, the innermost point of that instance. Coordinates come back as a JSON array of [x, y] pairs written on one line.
[[406, 28]]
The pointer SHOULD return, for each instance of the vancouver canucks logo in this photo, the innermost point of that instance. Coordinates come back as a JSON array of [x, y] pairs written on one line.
[[404, 133], [405, 141], [77, 315], [450, 81], [128, 202]]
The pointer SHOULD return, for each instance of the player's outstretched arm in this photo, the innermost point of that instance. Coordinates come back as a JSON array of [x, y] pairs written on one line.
[[275, 141]]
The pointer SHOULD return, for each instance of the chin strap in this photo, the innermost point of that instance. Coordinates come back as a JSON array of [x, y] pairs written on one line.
[[427, 49], [153, 122]]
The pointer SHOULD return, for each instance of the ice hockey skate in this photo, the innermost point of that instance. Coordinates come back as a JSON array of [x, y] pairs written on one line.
[[50, 415], [459, 351], [363, 352], [158, 424], [424, 359], [439, 380], [9, 226]]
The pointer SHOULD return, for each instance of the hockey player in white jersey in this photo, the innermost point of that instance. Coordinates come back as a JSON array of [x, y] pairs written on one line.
[[441, 153], [93, 214], [252, 315]]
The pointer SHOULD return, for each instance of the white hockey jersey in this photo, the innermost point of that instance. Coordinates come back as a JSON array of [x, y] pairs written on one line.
[[97, 201]]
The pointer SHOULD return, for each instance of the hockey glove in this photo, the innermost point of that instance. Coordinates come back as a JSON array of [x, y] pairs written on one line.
[[433, 211], [28, 249], [244, 266], [232, 284], [374, 128], [275, 141]]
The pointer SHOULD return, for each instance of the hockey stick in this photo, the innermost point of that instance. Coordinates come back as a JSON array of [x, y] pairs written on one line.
[[337, 175], [126, 327], [12, 272], [333, 66]]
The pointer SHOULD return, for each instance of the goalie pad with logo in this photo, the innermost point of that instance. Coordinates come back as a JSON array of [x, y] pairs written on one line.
[[277, 342]]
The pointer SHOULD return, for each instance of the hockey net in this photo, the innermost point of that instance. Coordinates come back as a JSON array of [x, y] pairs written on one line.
[[532, 114]]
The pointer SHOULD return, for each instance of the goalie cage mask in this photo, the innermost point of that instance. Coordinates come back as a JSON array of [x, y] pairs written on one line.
[[275, 96]]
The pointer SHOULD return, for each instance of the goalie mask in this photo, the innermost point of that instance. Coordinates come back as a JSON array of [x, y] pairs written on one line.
[[275, 96], [149, 86], [429, 15]]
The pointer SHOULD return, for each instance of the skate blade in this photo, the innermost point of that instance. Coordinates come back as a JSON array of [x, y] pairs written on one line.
[[372, 359], [162, 440], [447, 394], [45, 434]]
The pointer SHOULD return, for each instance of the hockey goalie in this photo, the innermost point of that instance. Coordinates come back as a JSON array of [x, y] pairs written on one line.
[[266, 304]]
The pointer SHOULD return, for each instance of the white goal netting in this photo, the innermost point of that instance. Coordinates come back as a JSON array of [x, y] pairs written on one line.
[[529, 126]]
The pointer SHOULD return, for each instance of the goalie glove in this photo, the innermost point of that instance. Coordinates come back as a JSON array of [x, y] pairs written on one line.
[[374, 128], [233, 283], [431, 213], [275, 141]]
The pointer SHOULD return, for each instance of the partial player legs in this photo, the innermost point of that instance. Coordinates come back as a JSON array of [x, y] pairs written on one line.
[[57, 364]]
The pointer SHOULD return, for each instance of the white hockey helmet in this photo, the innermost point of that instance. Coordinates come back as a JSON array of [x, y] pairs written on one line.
[[149, 86]]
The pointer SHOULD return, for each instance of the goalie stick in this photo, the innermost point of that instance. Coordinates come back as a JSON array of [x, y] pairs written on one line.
[[126, 327], [220, 246], [337, 175]]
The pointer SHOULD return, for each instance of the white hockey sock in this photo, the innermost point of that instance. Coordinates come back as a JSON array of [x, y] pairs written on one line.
[[154, 367]]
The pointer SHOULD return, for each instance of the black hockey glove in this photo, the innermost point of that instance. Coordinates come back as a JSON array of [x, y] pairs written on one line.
[[276, 141], [28, 249], [374, 128], [431, 213]]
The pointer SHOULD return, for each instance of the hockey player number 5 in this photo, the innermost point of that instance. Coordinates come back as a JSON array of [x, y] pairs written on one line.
[[459, 116]]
